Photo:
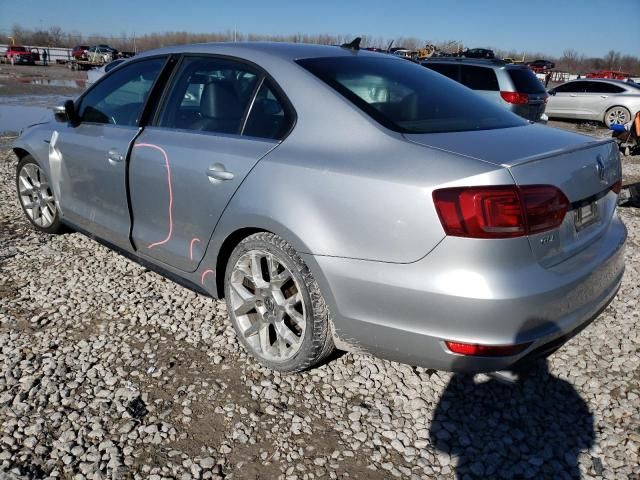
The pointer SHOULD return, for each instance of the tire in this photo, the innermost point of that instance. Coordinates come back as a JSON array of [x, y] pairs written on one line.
[[618, 115], [296, 318], [36, 197]]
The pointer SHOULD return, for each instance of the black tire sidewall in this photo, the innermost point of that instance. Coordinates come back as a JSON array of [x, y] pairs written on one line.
[[304, 357], [56, 226]]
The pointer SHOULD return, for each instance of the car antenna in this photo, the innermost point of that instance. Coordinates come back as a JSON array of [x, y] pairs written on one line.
[[353, 44], [389, 47]]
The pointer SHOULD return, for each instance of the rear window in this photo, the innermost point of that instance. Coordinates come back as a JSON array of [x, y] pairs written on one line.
[[447, 70], [407, 97], [18, 49], [479, 78], [525, 81]]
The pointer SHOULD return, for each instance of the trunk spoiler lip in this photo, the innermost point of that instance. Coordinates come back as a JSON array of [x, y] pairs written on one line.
[[522, 160]]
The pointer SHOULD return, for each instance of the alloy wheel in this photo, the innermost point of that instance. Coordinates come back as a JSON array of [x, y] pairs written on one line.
[[268, 306], [36, 195], [617, 116]]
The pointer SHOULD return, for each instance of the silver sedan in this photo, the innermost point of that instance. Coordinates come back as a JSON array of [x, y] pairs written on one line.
[[607, 101], [337, 198]]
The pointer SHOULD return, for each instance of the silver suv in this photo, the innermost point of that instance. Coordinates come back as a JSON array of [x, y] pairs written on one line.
[[515, 87]]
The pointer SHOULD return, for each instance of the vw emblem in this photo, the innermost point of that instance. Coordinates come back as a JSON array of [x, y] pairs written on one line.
[[600, 167]]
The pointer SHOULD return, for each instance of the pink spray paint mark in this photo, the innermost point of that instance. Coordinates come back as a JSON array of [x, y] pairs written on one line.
[[204, 275], [166, 164], [193, 240]]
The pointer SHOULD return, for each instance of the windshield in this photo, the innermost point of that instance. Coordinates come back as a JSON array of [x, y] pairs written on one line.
[[407, 97]]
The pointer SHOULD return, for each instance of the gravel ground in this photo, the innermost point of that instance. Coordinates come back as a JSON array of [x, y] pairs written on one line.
[[108, 370]]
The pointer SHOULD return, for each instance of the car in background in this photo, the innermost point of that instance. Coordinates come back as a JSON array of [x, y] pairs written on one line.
[[79, 51], [478, 53], [541, 65], [18, 55], [96, 73], [610, 74], [607, 101], [337, 197], [512, 86]]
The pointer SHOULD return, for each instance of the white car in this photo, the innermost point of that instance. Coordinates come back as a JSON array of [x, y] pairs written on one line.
[[608, 101], [95, 73]]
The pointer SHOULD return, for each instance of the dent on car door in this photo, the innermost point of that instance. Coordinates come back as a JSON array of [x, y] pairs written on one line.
[[89, 158], [220, 117]]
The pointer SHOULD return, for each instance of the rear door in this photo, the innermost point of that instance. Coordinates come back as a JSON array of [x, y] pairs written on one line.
[[219, 118], [598, 97], [92, 154]]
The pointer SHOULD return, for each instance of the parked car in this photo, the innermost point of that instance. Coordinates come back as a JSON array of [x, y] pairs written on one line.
[[607, 101], [512, 86], [478, 53], [541, 65], [101, 54], [80, 51], [339, 197], [18, 55], [610, 74], [96, 73]]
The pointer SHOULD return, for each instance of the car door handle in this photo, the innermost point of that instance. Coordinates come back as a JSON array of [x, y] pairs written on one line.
[[573, 95], [218, 173], [604, 96], [114, 157]]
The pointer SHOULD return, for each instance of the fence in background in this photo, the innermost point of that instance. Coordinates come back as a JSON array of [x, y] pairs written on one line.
[[53, 53]]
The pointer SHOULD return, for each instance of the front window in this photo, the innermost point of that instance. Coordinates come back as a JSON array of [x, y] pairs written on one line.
[[407, 97], [118, 98]]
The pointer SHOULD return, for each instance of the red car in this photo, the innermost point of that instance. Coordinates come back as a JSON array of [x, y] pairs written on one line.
[[18, 54], [79, 51], [610, 74]]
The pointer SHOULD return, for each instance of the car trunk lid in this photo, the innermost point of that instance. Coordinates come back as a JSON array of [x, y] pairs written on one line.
[[583, 168]]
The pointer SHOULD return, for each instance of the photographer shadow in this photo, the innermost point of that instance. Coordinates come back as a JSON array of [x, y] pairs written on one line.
[[533, 428]]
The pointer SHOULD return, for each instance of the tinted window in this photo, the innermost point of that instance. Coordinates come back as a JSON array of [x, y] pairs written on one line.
[[479, 78], [18, 49], [525, 81], [268, 117], [571, 87], [110, 66], [210, 95], [447, 70], [602, 87], [118, 98], [406, 97]]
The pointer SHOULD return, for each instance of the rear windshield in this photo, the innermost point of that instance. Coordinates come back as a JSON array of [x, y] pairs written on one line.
[[18, 49], [525, 80], [407, 97]]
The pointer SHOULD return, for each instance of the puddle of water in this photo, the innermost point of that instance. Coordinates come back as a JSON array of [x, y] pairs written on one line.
[[54, 82], [14, 118]]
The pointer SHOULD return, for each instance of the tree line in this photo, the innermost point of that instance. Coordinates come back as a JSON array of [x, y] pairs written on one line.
[[570, 61]]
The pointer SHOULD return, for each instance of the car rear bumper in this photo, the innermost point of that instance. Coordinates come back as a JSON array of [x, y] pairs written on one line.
[[484, 295]]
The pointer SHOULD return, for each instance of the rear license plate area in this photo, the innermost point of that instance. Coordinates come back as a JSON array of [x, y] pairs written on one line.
[[585, 215]]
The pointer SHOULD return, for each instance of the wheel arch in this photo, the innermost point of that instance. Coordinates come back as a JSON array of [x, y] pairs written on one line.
[[21, 152], [617, 105], [228, 245]]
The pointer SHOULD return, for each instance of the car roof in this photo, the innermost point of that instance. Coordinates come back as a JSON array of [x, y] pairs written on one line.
[[484, 62], [603, 80], [280, 50]]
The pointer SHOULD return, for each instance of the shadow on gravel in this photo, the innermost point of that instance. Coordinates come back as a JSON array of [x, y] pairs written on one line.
[[535, 428]]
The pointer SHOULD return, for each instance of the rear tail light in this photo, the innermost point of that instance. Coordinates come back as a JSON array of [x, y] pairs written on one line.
[[485, 350], [500, 212], [515, 97]]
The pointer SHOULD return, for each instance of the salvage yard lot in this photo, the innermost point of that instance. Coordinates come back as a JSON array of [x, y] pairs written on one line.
[[108, 370]]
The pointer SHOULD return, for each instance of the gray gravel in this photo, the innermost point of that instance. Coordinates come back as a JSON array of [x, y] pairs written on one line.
[[108, 370]]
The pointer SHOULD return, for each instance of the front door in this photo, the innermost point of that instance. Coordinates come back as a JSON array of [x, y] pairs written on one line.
[[92, 155], [220, 118]]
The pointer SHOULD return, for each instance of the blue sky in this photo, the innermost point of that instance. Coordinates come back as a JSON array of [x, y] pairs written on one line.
[[592, 27]]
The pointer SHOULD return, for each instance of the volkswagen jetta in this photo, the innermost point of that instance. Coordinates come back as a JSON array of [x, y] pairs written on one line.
[[337, 198]]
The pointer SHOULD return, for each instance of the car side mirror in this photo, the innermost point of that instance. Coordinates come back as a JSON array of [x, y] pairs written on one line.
[[551, 92], [67, 113]]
